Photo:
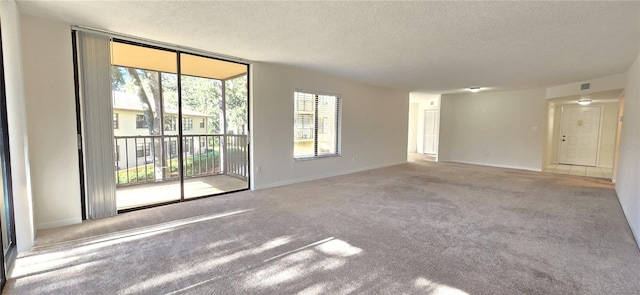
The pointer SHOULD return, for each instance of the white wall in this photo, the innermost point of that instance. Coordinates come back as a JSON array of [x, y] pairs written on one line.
[[555, 135], [494, 128], [374, 125], [597, 85], [549, 134], [412, 145], [17, 124], [608, 135], [50, 96], [616, 154], [628, 172]]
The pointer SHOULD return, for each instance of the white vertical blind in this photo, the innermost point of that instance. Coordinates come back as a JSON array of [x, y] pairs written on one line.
[[94, 55]]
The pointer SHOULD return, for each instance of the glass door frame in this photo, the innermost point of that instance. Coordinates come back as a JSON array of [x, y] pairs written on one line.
[[178, 51], [7, 260]]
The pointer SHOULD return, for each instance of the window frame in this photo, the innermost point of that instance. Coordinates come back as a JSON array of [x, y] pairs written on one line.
[[143, 150], [318, 101], [116, 121], [305, 121], [187, 123], [141, 124], [171, 122], [245, 98]]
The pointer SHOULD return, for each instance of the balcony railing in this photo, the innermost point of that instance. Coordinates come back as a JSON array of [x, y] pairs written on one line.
[[154, 158]]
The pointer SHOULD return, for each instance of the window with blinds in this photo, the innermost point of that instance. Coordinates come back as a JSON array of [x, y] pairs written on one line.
[[316, 127]]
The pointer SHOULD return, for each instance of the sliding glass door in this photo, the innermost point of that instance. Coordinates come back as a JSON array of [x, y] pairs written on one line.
[[180, 125], [6, 207], [145, 136], [7, 225], [214, 125]]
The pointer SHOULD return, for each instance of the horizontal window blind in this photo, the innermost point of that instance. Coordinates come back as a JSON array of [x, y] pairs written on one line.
[[316, 125]]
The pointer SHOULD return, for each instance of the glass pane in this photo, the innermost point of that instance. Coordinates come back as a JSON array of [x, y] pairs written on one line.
[[327, 124], [7, 229], [4, 220], [237, 157], [147, 118], [145, 105], [211, 166], [140, 57], [236, 104], [201, 128], [6, 212], [303, 126]]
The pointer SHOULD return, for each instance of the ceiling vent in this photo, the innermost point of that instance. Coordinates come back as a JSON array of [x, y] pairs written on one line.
[[585, 86]]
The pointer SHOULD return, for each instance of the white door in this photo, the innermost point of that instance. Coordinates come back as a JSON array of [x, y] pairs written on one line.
[[579, 135], [430, 145]]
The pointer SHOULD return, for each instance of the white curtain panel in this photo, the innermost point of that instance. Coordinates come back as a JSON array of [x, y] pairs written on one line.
[[94, 55]]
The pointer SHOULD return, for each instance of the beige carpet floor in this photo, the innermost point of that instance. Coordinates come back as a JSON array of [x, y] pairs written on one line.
[[415, 228]]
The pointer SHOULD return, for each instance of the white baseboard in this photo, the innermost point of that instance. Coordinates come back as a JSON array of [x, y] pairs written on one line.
[[338, 173], [58, 223], [497, 165]]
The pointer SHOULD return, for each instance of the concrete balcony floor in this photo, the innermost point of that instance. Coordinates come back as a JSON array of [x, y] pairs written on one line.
[[153, 193]]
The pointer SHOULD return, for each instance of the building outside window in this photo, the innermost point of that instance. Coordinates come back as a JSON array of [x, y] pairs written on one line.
[[173, 148], [115, 121], [316, 125], [141, 122], [187, 124], [304, 126], [143, 150], [170, 123]]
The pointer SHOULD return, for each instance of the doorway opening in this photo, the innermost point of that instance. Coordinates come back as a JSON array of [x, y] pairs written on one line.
[[581, 139], [424, 127]]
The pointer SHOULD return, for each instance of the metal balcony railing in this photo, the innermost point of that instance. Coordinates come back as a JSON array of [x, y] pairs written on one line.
[[154, 158]]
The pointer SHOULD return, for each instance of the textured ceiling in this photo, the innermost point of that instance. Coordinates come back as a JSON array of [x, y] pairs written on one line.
[[435, 47]]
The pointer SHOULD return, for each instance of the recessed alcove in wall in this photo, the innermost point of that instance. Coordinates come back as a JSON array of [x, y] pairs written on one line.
[[605, 105]]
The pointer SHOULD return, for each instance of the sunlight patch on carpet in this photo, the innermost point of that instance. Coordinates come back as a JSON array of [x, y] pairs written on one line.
[[437, 289], [338, 248]]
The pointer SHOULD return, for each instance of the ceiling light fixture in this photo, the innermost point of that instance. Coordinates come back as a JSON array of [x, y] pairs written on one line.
[[584, 101], [474, 89]]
